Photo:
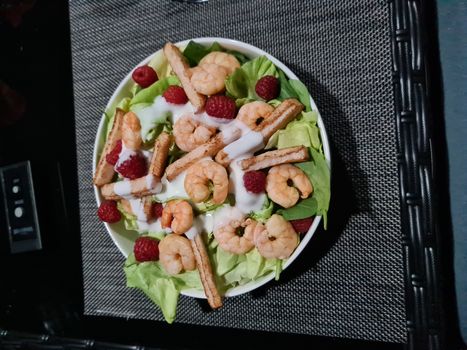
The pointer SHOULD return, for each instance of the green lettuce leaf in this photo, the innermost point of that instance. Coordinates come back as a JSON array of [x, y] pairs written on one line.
[[131, 223], [161, 288], [239, 56], [237, 270], [235, 276], [287, 91], [241, 84], [303, 131], [109, 122], [160, 64], [303, 209], [293, 88], [205, 207], [226, 261], [302, 93], [278, 269], [318, 172], [124, 104], [194, 51], [146, 96]]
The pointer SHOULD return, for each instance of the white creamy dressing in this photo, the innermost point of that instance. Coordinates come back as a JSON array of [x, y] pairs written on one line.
[[150, 116], [154, 226], [173, 189], [204, 118], [137, 207], [147, 155], [123, 188], [224, 215], [124, 155], [245, 201], [241, 142], [247, 144]]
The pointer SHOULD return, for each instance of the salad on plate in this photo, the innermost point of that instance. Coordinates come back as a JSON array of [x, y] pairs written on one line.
[[215, 158]]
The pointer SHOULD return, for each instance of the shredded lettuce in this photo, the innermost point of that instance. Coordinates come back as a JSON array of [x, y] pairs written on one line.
[[241, 84], [161, 288]]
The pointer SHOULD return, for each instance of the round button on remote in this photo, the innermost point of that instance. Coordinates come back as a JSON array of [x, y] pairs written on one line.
[[18, 212]]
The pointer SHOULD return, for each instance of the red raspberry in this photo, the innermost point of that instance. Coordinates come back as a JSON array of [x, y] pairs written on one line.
[[134, 167], [176, 95], [112, 157], [267, 87], [302, 225], [254, 181], [108, 212], [146, 249], [220, 106], [157, 209], [145, 76]]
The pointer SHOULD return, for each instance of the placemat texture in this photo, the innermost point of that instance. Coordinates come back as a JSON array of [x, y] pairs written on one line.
[[349, 280]]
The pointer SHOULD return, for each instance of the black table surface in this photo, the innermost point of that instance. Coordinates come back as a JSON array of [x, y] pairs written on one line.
[[41, 292]]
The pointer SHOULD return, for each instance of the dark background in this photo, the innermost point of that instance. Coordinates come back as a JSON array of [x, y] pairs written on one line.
[[41, 292]]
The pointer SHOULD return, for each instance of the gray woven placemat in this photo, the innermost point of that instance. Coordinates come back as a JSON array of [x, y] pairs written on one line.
[[349, 281]]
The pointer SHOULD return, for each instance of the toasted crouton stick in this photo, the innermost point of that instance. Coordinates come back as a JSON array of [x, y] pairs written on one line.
[[277, 157], [208, 149], [205, 272], [183, 72], [140, 187], [105, 171], [255, 139], [160, 154], [131, 131], [145, 185], [144, 208]]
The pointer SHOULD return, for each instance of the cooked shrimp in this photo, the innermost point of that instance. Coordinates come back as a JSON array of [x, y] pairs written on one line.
[[286, 183], [229, 62], [131, 131], [190, 133], [277, 240], [176, 254], [237, 237], [208, 79], [201, 175], [177, 215], [253, 113]]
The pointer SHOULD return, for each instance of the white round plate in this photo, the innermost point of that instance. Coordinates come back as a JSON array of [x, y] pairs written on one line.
[[124, 239]]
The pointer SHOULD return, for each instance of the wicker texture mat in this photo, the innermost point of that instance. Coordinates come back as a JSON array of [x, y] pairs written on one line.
[[349, 280]]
